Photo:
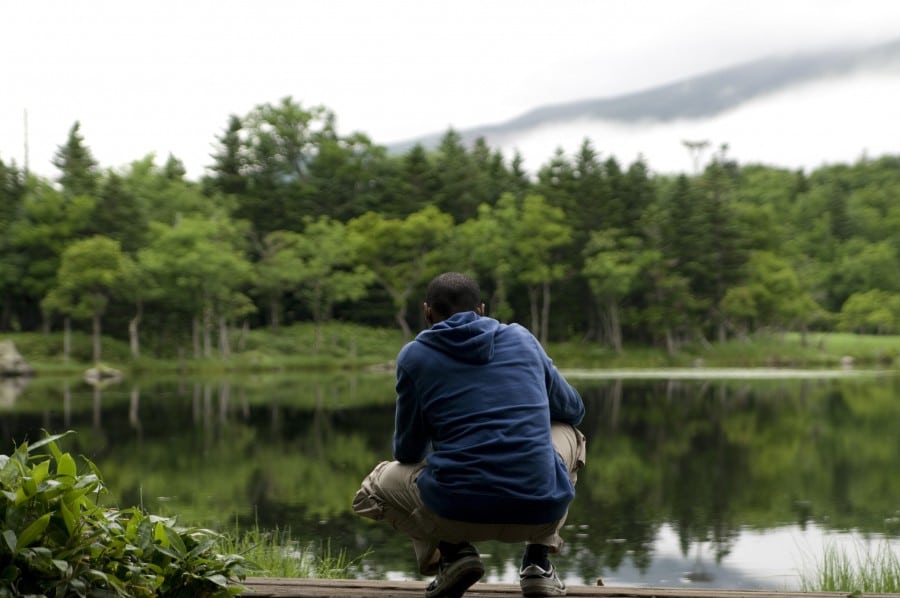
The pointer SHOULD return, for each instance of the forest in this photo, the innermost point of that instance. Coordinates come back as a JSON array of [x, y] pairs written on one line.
[[295, 222]]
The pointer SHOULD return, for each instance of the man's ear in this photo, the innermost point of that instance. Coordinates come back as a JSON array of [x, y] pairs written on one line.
[[480, 310], [428, 317]]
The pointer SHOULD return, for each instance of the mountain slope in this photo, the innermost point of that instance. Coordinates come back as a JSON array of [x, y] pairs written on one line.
[[698, 97]]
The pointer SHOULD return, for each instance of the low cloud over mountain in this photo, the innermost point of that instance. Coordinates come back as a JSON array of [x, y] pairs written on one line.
[[797, 111]]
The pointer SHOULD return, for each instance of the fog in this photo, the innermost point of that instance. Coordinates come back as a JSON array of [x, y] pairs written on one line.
[[805, 127]]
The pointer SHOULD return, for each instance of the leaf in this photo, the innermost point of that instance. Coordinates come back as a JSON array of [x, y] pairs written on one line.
[[63, 566], [49, 440], [34, 531], [11, 540], [40, 472], [29, 487], [9, 471], [54, 450], [68, 518], [159, 534], [176, 542], [9, 573], [218, 579], [89, 481], [66, 466], [202, 547]]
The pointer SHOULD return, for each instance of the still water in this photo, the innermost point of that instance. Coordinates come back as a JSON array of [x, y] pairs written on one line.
[[734, 482]]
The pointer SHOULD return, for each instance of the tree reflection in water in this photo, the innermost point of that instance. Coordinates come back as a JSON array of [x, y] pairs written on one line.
[[705, 462]]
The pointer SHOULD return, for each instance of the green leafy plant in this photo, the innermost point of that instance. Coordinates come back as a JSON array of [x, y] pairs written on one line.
[[58, 541]]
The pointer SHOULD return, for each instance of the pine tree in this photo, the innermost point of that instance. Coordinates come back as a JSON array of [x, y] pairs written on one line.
[[78, 169]]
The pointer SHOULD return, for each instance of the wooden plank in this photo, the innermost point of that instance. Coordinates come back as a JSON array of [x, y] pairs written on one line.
[[265, 587]]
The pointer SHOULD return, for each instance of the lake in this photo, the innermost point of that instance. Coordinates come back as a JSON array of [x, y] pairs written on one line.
[[736, 481]]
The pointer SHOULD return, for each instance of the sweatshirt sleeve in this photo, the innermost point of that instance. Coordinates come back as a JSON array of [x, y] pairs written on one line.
[[410, 436], [565, 403]]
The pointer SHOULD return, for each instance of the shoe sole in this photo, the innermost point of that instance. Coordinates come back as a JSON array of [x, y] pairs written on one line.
[[539, 588], [459, 576]]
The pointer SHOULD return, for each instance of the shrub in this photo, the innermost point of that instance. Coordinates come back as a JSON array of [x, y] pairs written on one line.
[[58, 541]]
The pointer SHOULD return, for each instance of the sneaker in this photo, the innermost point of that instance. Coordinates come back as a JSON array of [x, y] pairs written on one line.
[[537, 581], [456, 574]]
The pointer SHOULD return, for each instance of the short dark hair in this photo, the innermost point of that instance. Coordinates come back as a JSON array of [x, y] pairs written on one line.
[[451, 293]]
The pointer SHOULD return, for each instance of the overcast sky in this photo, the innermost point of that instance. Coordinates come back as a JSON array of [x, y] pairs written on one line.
[[164, 76]]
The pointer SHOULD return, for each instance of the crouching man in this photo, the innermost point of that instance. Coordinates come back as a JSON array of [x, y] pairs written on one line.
[[485, 445]]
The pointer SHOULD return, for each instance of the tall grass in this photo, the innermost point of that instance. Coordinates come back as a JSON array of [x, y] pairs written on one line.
[[276, 554], [874, 569]]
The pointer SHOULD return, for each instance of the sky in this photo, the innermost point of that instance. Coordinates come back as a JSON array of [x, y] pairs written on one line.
[[164, 76]]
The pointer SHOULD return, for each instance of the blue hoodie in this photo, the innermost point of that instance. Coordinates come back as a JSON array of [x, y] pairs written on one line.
[[481, 395]]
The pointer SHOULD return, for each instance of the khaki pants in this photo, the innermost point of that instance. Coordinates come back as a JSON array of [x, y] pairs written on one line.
[[390, 493]]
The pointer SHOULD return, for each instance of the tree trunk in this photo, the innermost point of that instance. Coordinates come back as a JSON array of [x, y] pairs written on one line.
[[274, 311], [535, 315], [96, 335], [134, 417], [67, 339], [224, 342], [318, 316], [242, 339], [545, 313], [400, 318], [195, 336], [670, 342], [133, 339], [615, 326], [5, 314], [206, 325]]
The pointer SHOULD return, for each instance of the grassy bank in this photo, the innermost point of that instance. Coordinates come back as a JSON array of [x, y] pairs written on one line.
[[347, 346]]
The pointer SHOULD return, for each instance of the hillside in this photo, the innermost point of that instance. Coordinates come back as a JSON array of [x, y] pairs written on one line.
[[695, 98]]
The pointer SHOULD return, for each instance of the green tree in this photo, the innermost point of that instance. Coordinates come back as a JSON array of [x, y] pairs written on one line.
[[229, 161], [874, 311], [539, 235], [401, 253], [12, 193], [771, 296], [461, 188], [345, 174], [482, 246], [329, 271], [278, 145], [158, 197], [119, 214], [611, 267], [279, 269], [863, 266], [202, 268], [419, 183], [90, 272], [49, 222], [78, 169]]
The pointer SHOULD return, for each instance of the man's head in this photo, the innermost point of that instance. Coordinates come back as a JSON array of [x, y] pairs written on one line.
[[451, 293]]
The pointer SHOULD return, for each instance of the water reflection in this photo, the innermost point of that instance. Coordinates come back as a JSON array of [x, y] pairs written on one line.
[[11, 387], [696, 482]]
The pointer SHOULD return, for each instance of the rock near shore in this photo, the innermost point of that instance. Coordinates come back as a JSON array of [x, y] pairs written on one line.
[[12, 364]]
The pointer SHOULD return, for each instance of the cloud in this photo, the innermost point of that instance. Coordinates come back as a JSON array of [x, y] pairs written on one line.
[[164, 76], [837, 120]]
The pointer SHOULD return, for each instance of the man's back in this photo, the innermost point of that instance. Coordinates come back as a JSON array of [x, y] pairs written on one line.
[[482, 395]]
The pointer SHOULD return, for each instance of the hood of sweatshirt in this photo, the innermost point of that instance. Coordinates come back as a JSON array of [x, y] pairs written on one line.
[[464, 336]]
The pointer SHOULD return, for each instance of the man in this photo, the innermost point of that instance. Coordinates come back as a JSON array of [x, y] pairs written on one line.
[[498, 420]]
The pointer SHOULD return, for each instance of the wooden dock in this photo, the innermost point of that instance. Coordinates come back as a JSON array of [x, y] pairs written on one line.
[[259, 587]]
